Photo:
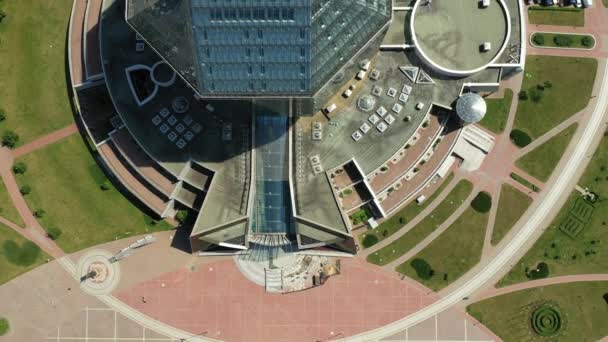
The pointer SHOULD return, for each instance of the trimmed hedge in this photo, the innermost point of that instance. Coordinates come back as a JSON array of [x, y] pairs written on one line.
[[4, 326], [541, 271], [520, 138], [482, 203], [423, 269], [546, 320], [369, 240]]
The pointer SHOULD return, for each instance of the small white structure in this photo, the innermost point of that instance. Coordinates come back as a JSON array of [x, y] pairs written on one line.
[[420, 199], [365, 67], [210, 108], [419, 105], [381, 111], [347, 93], [389, 119], [373, 119], [357, 136], [365, 128], [486, 47], [360, 75], [330, 108], [382, 127], [397, 108], [485, 3]]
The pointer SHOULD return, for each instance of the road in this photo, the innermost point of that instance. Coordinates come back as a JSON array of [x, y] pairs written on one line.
[[534, 223]]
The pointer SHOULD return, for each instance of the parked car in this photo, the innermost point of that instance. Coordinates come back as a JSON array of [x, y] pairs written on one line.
[[587, 3]]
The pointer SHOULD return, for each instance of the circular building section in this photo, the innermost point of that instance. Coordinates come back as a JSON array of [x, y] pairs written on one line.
[[462, 37]]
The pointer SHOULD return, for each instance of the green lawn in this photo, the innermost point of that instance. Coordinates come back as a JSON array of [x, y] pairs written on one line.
[[425, 227], [33, 89], [562, 99], [576, 39], [454, 252], [580, 304], [498, 112], [541, 161], [7, 209], [11, 263], [511, 206], [556, 16], [4, 326], [393, 224], [65, 183], [586, 253]]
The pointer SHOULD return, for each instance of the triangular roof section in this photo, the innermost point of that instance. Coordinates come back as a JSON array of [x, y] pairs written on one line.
[[424, 78], [411, 72]]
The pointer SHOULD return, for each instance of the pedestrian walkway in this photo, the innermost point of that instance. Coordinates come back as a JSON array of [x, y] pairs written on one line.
[[45, 140]]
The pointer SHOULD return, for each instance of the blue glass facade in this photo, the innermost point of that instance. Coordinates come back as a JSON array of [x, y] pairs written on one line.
[[260, 47]]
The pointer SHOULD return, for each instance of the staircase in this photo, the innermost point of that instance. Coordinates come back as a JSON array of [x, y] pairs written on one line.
[[274, 280]]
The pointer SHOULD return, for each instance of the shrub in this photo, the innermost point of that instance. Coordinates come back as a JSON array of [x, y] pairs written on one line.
[[10, 139], [538, 39], [605, 296], [4, 326], [24, 255], [369, 240], [587, 41], [562, 40], [423, 269], [402, 220], [384, 169], [541, 271], [182, 216], [25, 190], [2, 15], [520, 138], [2, 115], [39, 213], [482, 202], [53, 233], [548, 85], [523, 95], [19, 168], [347, 192], [105, 186], [536, 94]]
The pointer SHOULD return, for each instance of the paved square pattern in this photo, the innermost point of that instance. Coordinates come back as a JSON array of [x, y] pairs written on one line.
[[219, 300]]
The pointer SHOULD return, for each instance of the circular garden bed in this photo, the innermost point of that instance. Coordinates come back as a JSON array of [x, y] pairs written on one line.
[[546, 320]]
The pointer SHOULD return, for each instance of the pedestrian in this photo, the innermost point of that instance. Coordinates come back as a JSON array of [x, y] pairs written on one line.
[[143, 300]]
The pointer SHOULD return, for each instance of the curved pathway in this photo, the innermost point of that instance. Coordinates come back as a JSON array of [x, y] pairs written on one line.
[[413, 222], [541, 282], [530, 229]]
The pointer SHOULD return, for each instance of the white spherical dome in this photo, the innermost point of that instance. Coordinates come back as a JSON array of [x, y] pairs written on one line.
[[471, 108]]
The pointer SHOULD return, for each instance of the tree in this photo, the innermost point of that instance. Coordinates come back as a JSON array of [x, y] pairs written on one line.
[[538, 39], [182, 216], [541, 271], [19, 168], [39, 213], [562, 40], [10, 139], [25, 190], [2, 15], [2, 115], [53, 233], [523, 95], [369, 240], [587, 41]]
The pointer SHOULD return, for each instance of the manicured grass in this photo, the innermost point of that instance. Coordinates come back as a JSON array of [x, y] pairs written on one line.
[[498, 112], [586, 252], [33, 89], [7, 209], [511, 206], [556, 16], [454, 252], [581, 307], [425, 227], [400, 219], [17, 255], [561, 99], [549, 40], [541, 161], [65, 183]]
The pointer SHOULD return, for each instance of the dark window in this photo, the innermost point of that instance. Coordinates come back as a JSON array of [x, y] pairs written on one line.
[[288, 14]]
